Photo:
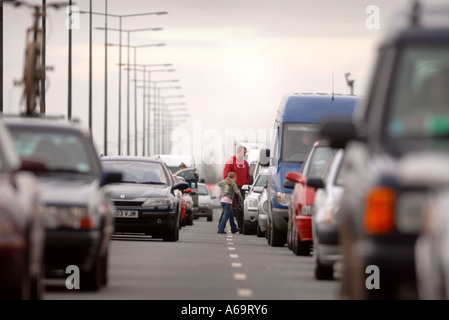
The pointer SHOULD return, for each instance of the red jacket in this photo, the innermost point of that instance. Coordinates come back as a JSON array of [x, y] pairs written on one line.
[[241, 168]]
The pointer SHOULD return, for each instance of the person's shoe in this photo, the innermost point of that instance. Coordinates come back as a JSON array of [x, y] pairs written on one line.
[[233, 232], [221, 232]]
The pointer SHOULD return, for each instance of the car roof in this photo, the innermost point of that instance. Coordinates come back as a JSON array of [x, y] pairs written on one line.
[[45, 123], [419, 24], [312, 107], [130, 158]]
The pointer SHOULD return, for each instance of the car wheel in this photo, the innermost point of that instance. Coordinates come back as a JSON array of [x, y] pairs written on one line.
[[289, 233], [210, 217], [172, 235], [37, 286], [322, 272], [277, 237], [259, 231], [91, 280], [246, 228], [105, 269]]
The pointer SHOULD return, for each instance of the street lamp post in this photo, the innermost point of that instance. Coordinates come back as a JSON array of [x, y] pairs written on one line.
[[90, 12], [128, 63]]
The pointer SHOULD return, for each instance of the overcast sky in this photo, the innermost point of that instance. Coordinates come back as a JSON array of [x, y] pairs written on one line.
[[234, 59]]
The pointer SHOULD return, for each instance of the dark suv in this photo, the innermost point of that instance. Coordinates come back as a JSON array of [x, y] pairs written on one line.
[[405, 117], [79, 210]]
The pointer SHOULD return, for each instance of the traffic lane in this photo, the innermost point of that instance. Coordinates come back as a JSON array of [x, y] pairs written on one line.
[[200, 267], [278, 274]]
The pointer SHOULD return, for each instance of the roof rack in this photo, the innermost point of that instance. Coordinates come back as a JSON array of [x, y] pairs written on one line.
[[32, 116]]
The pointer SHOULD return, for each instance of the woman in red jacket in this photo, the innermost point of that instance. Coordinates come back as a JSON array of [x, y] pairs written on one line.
[[240, 166]]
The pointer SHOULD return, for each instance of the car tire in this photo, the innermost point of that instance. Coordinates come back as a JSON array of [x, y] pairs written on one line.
[[289, 234], [246, 228], [259, 232], [322, 272], [277, 237], [91, 280], [172, 235], [210, 217]]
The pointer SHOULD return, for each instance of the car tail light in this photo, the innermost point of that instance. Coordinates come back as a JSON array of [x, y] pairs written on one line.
[[380, 208]]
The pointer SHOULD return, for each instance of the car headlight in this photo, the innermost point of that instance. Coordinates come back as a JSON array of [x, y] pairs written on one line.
[[76, 217], [159, 203], [253, 203], [283, 198]]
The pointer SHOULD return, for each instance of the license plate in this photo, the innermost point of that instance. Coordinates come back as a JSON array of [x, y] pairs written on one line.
[[126, 214]]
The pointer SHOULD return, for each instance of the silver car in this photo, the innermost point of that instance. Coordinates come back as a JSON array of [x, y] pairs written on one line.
[[262, 214], [326, 209], [205, 203], [251, 202]]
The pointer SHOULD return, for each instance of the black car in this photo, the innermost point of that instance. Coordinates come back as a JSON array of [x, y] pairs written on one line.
[[147, 200], [22, 233], [79, 210], [405, 115]]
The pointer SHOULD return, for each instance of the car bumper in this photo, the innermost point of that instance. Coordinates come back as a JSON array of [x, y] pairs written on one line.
[[147, 222], [250, 215], [396, 263], [304, 227], [203, 212], [72, 247]]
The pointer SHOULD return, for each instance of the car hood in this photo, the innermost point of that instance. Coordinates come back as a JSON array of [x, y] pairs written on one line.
[[128, 191], [68, 190]]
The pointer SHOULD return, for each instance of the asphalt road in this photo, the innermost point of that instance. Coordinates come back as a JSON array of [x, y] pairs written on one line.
[[202, 265]]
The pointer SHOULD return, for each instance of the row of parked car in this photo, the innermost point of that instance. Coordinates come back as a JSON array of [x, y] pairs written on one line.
[[372, 191], [61, 203]]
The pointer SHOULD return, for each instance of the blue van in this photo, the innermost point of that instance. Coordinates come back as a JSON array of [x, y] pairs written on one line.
[[296, 128]]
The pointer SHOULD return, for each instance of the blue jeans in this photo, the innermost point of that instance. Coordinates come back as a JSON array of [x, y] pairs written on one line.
[[228, 214]]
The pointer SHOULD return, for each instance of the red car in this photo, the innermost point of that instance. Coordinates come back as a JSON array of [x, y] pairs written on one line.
[[299, 228]]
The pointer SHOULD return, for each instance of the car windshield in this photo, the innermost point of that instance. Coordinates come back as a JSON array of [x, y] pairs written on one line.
[[59, 151], [261, 180], [297, 139], [317, 164], [137, 171], [202, 190], [419, 105]]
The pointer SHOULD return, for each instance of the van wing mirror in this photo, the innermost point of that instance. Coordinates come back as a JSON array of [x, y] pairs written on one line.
[[264, 157]]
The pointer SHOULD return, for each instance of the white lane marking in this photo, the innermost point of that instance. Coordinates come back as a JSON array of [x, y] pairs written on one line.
[[234, 256], [244, 293], [236, 264], [231, 248], [239, 276]]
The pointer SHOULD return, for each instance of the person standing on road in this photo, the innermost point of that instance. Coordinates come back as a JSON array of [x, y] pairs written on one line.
[[240, 166], [229, 190]]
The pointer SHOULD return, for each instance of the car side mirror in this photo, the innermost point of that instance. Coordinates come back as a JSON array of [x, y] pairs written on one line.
[[264, 157], [295, 177], [316, 183], [289, 184], [246, 187], [180, 186], [340, 132]]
